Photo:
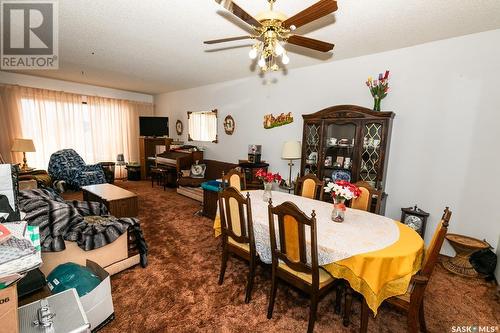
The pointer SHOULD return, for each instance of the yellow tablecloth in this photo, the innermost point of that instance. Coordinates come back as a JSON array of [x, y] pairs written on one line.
[[380, 274]]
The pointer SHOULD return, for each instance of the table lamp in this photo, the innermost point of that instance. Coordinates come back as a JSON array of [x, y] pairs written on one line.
[[292, 150], [24, 146], [120, 161]]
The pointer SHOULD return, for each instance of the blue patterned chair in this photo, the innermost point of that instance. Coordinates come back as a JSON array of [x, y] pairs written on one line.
[[67, 165]]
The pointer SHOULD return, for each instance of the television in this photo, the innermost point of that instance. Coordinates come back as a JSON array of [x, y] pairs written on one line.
[[153, 126]]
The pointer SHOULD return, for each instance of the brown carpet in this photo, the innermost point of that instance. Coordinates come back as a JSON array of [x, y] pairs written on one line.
[[178, 291]]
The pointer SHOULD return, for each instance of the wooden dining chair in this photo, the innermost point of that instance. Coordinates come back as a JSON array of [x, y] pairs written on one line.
[[235, 179], [365, 200], [412, 302], [310, 186], [289, 258], [237, 233]]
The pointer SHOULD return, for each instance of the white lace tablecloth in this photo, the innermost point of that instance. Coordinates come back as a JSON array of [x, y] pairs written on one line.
[[361, 231]]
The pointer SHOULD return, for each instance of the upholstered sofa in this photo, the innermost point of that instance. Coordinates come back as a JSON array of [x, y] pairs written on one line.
[[67, 165], [213, 171], [115, 256], [191, 187]]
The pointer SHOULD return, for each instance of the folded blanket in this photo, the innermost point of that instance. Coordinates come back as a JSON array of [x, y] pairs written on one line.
[[85, 222]]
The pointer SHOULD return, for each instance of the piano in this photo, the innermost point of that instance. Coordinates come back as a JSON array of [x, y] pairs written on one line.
[[178, 159]]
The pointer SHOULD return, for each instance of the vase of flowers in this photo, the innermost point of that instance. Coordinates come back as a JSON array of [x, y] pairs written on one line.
[[378, 89], [341, 191], [268, 178]]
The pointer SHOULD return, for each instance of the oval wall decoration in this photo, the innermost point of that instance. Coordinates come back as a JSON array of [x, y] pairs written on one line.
[[229, 125], [179, 127]]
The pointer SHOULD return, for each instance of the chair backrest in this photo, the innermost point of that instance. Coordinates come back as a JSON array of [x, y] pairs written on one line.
[[292, 249], [310, 186], [235, 179], [236, 216], [432, 252], [364, 201], [62, 161]]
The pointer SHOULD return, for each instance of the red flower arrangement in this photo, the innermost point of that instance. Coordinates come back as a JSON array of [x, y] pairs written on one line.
[[268, 177], [343, 190]]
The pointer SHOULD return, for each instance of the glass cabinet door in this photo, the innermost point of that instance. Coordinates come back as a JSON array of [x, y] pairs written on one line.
[[371, 153], [338, 154], [312, 135]]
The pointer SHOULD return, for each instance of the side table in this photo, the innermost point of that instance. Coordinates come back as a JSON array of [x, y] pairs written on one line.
[[250, 170], [464, 246]]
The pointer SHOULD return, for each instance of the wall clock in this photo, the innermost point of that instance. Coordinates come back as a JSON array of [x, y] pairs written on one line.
[[179, 127], [229, 125], [415, 218]]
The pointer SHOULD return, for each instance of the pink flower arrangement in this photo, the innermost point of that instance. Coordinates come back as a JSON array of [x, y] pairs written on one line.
[[268, 177], [378, 88]]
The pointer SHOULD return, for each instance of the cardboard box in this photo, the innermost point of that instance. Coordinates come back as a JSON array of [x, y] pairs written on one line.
[[98, 304], [9, 322]]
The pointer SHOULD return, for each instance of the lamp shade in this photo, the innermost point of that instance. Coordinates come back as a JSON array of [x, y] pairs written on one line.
[[292, 150], [23, 145]]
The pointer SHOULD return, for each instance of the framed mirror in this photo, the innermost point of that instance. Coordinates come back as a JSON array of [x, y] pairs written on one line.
[[202, 126]]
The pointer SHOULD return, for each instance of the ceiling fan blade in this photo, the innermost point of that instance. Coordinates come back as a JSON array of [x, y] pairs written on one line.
[[316, 11], [310, 43], [239, 12], [230, 39]]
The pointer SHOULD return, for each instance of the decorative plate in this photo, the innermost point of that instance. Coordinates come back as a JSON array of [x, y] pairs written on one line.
[[229, 125], [179, 127], [341, 175]]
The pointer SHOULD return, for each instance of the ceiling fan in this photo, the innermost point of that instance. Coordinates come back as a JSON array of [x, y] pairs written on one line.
[[272, 29]]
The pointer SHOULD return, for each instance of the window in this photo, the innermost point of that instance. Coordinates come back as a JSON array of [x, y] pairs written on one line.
[[98, 130], [202, 126]]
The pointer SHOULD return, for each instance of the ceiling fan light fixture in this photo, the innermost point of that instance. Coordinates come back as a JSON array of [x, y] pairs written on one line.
[[273, 29], [285, 59], [278, 49], [262, 62], [253, 53]]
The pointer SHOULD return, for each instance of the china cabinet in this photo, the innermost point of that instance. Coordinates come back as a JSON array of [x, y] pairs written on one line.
[[347, 142]]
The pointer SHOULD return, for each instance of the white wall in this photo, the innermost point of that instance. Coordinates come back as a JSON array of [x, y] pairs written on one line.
[[71, 87], [446, 132]]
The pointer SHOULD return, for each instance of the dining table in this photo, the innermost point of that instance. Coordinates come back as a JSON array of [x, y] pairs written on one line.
[[377, 255]]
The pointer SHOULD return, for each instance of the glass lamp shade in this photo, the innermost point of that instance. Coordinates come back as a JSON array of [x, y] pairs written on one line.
[[292, 150], [120, 159], [23, 145]]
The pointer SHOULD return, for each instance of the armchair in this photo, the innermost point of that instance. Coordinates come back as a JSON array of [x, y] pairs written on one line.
[[67, 165]]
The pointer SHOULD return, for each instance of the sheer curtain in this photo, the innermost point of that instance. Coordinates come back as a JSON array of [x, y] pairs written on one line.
[[10, 122], [203, 126], [98, 130]]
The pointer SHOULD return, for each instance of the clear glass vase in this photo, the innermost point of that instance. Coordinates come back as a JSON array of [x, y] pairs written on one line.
[[338, 212], [268, 194], [376, 103]]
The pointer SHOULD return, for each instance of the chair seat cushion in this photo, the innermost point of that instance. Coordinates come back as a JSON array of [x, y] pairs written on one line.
[[324, 277], [243, 246], [190, 182], [211, 185]]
